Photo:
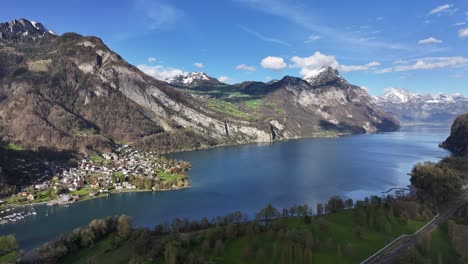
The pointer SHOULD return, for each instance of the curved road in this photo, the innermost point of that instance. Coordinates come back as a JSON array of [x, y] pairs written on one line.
[[389, 255]]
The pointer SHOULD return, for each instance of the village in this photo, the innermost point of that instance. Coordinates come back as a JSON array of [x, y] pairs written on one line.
[[122, 170]]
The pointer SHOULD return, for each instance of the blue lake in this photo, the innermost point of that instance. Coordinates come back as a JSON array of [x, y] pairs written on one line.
[[247, 177]]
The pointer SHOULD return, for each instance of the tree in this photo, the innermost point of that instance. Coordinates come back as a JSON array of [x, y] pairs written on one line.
[[359, 232], [86, 237], [8, 243], [349, 203], [437, 184], [219, 247], [124, 226], [268, 213], [319, 209], [171, 252], [335, 204], [349, 249], [426, 243], [99, 227]]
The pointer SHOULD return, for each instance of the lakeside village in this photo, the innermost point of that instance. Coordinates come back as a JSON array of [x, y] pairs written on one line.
[[123, 170]]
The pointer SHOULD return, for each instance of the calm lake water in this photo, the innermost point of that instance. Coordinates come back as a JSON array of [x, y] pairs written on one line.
[[248, 177]]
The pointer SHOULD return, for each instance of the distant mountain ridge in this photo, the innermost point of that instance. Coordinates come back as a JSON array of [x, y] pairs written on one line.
[[413, 107], [23, 28]]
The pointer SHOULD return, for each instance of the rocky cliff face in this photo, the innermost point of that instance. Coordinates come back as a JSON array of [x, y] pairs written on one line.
[[328, 102], [458, 139], [73, 92], [414, 107]]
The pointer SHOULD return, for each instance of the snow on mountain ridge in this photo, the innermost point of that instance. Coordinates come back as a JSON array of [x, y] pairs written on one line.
[[402, 96]]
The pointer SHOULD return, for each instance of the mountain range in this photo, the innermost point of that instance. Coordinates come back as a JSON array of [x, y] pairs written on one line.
[[73, 92], [413, 107]]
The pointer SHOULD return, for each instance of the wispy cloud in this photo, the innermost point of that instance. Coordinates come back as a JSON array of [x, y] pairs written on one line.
[[429, 64], [224, 79], [263, 37], [312, 38], [158, 15], [199, 65], [430, 40], [463, 33], [302, 17], [151, 59], [460, 23], [443, 9], [245, 68]]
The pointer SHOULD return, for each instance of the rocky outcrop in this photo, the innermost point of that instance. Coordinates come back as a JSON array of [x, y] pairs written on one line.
[[457, 142]]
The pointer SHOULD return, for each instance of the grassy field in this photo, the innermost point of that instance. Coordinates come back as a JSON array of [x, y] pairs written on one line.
[[15, 147], [336, 233], [9, 258], [112, 249], [441, 250], [226, 108], [169, 177], [97, 158]]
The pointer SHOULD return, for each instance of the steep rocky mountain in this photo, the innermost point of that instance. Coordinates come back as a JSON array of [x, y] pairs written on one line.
[[194, 79], [72, 92], [325, 103], [414, 107], [458, 139]]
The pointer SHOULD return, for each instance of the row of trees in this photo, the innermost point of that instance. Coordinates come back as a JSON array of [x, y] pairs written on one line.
[[80, 238], [174, 241]]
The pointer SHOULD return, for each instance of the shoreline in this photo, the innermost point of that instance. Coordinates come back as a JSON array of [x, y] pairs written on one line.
[[205, 147], [88, 198]]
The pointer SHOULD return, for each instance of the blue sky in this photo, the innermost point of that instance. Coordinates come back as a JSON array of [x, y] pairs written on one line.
[[421, 45]]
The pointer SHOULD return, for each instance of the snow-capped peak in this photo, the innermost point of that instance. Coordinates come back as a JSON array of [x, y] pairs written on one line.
[[322, 76], [191, 79]]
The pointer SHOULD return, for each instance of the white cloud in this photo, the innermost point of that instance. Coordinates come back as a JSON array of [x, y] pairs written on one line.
[[160, 72], [310, 65], [442, 9], [158, 14], [429, 64], [245, 68], [460, 23], [199, 65], [224, 79], [263, 37], [151, 59], [463, 33], [312, 38], [400, 62], [273, 63], [430, 40]]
